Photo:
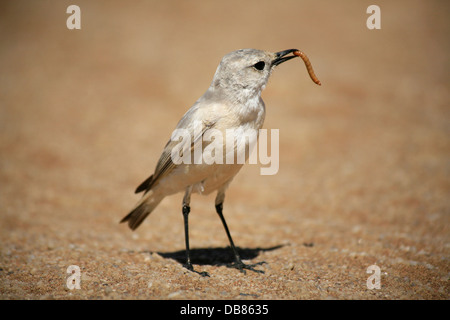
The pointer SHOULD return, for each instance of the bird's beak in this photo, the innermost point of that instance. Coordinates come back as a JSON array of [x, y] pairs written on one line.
[[281, 57]]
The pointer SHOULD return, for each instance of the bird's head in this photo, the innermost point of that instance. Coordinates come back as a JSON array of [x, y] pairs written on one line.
[[248, 69]]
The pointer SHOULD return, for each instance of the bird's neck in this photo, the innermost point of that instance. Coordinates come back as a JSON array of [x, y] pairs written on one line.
[[239, 94], [247, 103]]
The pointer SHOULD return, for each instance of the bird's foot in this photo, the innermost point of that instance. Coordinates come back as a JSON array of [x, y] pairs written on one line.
[[191, 268], [242, 267]]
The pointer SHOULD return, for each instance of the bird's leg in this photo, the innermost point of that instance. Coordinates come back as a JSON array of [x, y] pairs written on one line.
[[186, 209], [238, 264]]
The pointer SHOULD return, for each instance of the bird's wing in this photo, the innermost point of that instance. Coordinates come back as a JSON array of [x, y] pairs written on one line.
[[165, 164]]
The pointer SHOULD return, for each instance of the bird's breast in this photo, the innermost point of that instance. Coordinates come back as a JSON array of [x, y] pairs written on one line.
[[251, 114]]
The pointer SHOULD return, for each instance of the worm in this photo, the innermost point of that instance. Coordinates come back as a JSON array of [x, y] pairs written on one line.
[[308, 65]]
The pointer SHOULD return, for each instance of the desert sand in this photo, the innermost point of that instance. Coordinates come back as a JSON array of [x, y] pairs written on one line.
[[364, 167]]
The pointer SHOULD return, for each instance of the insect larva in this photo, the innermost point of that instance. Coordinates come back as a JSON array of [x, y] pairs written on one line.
[[309, 67]]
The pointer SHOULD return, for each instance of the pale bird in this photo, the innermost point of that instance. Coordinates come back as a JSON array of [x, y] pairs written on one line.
[[233, 101]]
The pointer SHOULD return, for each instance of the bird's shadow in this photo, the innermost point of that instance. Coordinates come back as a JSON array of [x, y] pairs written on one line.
[[215, 256]]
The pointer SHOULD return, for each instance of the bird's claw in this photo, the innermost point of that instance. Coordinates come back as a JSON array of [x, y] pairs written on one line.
[[242, 267], [191, 268]]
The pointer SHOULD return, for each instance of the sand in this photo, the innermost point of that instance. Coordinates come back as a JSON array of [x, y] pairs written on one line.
[[364, 168]]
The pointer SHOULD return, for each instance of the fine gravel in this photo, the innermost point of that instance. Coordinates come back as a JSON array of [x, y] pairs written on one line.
[[364, 167]]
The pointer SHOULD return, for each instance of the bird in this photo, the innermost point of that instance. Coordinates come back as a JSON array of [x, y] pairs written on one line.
[[232, 101]]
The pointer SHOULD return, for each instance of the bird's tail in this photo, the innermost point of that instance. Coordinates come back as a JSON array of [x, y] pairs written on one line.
[[144, 207]]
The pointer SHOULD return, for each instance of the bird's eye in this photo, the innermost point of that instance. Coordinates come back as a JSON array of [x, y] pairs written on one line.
[[259, 65]]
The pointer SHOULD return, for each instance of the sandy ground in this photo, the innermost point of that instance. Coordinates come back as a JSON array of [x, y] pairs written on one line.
[[364, 159]]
